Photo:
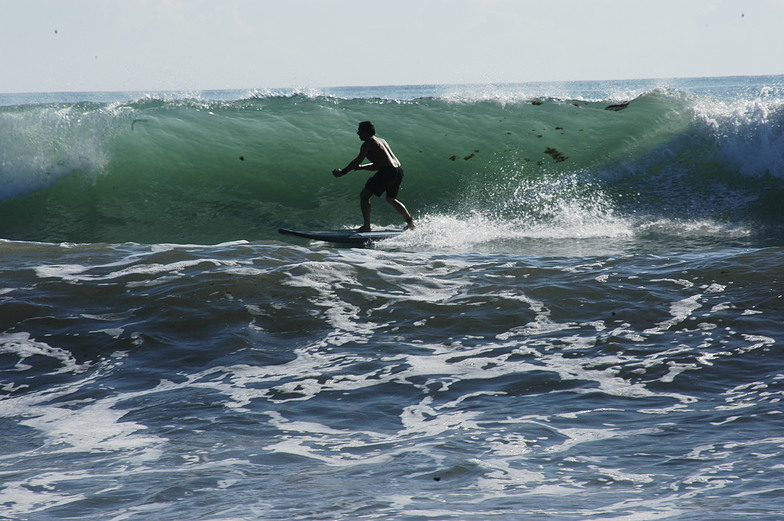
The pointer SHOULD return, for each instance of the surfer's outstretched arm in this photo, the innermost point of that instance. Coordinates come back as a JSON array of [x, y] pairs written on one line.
[[355, 164]]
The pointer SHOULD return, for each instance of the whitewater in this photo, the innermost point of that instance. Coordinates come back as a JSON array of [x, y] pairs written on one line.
[[585, 324]]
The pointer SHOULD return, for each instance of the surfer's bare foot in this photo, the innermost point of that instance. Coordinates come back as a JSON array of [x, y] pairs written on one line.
[[363, 229], [409, 224]]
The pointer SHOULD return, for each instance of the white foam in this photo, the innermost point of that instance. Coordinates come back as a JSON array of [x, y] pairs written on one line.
[[748, 132], [23, 346], [44, 143], [680, 311], [451, 233], [19, 499]]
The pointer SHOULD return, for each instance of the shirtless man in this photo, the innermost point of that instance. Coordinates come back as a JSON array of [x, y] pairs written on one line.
[[388, 176]]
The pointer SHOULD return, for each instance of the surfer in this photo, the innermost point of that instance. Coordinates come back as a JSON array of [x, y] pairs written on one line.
[[388, 176]]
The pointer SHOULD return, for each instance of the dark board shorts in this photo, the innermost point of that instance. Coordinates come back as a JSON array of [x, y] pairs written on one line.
[[387, 179]]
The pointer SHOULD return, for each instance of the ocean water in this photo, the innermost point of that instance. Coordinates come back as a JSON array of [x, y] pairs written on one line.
[[586, 324]]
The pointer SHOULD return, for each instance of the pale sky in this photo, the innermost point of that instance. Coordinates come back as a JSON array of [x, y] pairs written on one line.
[[153, 45]]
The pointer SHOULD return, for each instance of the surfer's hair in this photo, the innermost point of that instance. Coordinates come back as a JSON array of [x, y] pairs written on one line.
[[367, 126]]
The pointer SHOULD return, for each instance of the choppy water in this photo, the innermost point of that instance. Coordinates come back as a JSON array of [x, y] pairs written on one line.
[[595, 337]]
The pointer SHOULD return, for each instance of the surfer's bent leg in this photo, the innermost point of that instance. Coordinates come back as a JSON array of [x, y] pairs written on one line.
[[403, 211], [392, 190], [364, 204], [374, 186]]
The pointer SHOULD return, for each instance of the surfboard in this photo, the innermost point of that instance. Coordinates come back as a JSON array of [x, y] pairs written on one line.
[[343, 236]]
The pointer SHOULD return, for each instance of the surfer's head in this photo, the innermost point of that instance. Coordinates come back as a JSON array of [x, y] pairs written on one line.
[[367, 128]]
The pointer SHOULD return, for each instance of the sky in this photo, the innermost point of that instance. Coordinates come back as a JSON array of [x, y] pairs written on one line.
[[185, 45]]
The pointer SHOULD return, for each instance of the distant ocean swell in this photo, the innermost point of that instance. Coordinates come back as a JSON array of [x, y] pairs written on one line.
[[206, 171]]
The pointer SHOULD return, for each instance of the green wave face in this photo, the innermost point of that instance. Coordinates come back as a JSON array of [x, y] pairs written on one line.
[[195, 171]]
